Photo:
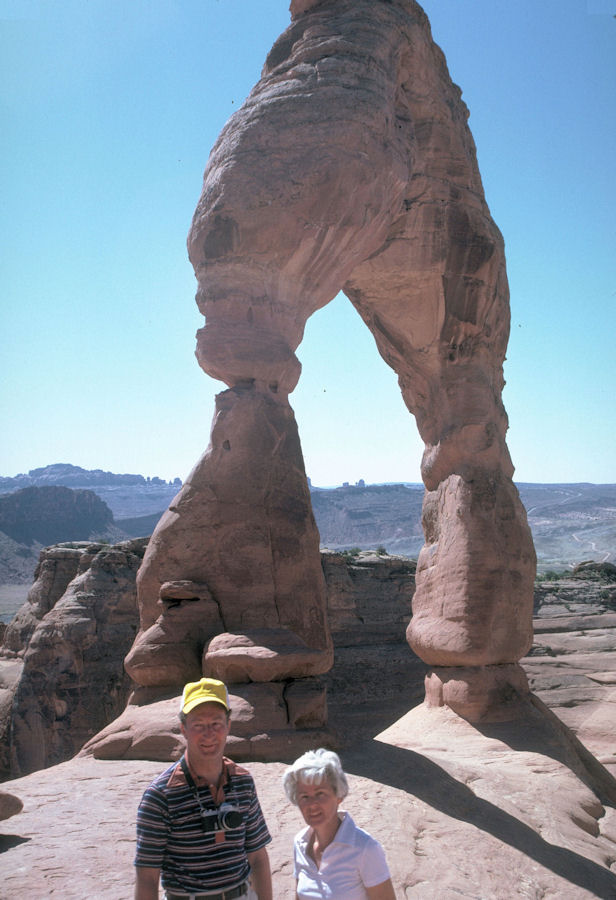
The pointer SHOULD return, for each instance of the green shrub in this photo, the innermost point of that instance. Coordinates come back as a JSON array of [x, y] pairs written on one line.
[[353, 553], [550, 575]]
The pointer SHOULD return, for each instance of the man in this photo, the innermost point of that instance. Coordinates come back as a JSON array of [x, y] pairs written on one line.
[[200, 828]]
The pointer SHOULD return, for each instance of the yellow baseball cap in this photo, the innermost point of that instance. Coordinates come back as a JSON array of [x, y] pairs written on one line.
[[208, 690]]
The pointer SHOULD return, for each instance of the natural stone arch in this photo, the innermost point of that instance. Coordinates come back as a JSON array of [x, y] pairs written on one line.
[[351, 166]]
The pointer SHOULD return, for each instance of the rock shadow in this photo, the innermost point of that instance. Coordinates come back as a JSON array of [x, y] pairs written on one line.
[[415, 774], [8, 841], [541, 731]]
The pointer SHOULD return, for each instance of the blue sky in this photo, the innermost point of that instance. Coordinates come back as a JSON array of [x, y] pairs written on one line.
[[109, 110]]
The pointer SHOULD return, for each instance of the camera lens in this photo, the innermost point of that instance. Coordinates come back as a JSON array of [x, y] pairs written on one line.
[[230, 818]]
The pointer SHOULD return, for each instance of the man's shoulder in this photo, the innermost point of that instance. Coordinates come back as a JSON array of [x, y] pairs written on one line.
[[234, 769], [160, 782]]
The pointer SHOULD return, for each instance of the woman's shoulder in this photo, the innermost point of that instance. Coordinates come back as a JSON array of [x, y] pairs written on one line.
[[352, 833], [302, 837]]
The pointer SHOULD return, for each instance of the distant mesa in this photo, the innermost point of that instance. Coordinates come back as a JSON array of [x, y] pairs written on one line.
[[51, 514], [62, 502], [570, 522], [127, 495], [74, 476]]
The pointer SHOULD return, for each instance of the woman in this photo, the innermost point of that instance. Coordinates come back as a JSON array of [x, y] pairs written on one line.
[[333, 857]]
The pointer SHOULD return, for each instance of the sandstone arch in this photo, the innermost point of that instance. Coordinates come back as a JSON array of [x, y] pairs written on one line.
[[351, 166]]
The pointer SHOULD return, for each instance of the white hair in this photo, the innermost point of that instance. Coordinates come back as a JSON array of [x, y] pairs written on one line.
[[315, 767]]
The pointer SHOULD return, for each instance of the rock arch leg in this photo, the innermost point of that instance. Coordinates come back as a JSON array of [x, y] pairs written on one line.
[[349, 164], [472, 610], [435, 297]]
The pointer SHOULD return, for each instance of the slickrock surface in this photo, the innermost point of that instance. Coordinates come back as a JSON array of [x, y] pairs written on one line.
[[461, 813], [572, 667]]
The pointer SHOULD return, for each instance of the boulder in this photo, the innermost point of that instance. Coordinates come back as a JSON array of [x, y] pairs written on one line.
[[284, 728], [263, 654], [590, 568], [9, 805]]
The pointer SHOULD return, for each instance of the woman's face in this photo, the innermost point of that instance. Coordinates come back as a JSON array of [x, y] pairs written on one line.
[[318, 803]]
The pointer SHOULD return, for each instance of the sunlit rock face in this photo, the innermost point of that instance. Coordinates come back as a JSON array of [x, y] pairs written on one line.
[[242, 531], [350, 166], [62, 678]]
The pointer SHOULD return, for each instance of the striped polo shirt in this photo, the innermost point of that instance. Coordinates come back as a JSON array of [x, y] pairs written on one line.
[[171, 837]]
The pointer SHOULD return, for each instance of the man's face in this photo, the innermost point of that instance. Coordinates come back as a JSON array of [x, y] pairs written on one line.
[[206, 730]]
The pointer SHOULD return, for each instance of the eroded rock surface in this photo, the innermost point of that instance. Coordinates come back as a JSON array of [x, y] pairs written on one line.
[[56, 568], [349, 166], [369, 596], [368, 604], [375, 678], [242, 531], [572, 664], [61, 674], [59, 687]]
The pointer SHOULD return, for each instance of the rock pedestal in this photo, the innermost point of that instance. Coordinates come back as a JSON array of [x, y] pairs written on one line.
[[231, 585], [350, 166]]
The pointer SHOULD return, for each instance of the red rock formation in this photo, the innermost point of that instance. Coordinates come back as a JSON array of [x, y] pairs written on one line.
[[61, 679], [351, 166], [231, 584]]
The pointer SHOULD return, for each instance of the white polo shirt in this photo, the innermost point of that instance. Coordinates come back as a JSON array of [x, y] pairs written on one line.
[[352, 862]]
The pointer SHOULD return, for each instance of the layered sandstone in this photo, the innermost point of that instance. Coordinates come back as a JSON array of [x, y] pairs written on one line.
[[368, 604], [349, 166], [62, 681], [61, 677]]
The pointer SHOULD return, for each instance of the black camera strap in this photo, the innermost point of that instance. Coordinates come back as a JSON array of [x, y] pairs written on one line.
[[189, 779], [191, 784]]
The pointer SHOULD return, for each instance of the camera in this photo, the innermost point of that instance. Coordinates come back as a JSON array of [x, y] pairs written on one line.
[[225, 818]]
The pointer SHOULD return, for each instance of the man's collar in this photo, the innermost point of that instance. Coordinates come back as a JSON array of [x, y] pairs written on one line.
[[229, 768]]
